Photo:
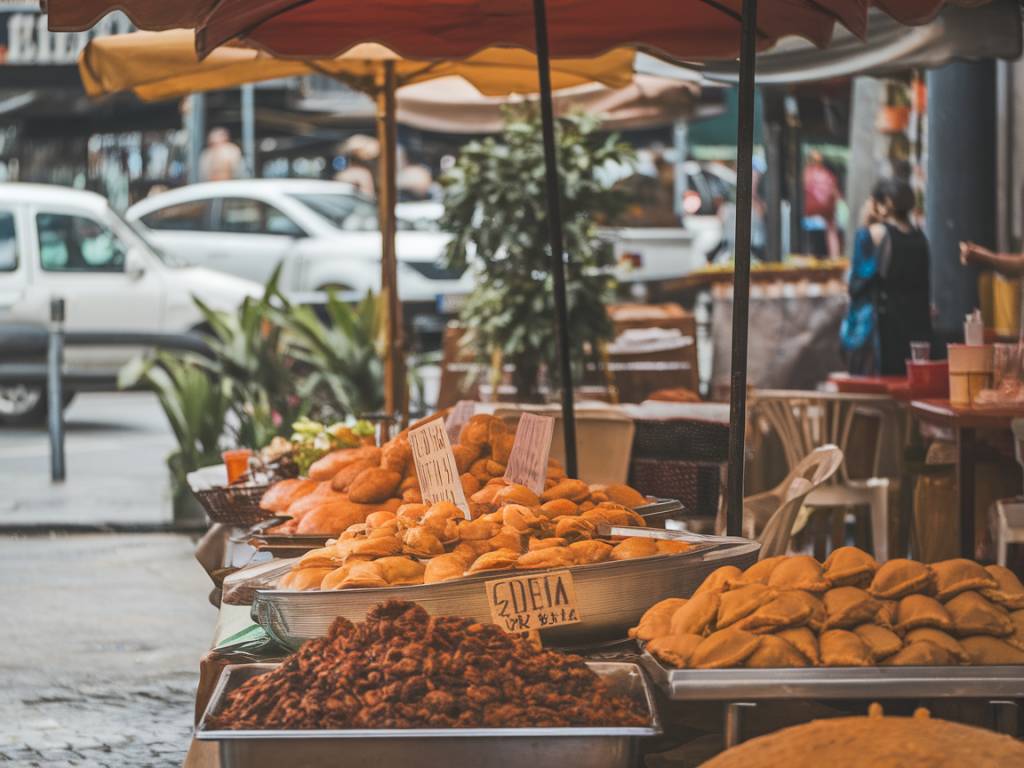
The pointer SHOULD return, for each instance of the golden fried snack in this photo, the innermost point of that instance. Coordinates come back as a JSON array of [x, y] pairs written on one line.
[[478, 469], [723, 649], [972, 614], [284, 493], [470, 484], [412, 495], [920, 654], [720, 579], [674, 650], [520, 517], [959, 575], [328, 466], [498, 560], [331, 518], [843, 648], [471, 550], [324, 557], [421, 542], [786, 609], [850, 566], [494, 469], [624, 495], [740, 603], [507, 538], [558, 508], [847, 607], [886, 616], [410, 481], [696, 616], [303, 579], [798, 572], [761, 571], [384, 546], [441, 510], [657, 620], [668, 547], [901, 577], [880, 641], [516, 494], [389, 528], [444, 567], [555, 557], [986, 651], [501, 447], [615, 514], [1017, 638], [401, 571], [485, 495], [475, 432], [380, 517], [921, 611], [817, 617], [372, 486], [576, 490], [364, 575], [634, 546], [535, 544], [342, 481], [322, 494], [396, 455], [942, 639], [478, 530], [773, 652], [336, 578], [805, 641], [590, 551], [465, 455], [1008, 592]]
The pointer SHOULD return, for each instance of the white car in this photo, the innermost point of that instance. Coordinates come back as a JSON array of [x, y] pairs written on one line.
[[57, 242], [324, 232]]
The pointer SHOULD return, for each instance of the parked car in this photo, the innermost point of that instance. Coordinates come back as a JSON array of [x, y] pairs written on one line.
[[57, 242], [325, 233]]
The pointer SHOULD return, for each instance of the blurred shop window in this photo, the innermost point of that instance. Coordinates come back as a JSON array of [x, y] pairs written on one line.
[[8, 243], [346, 212], [77, 244], [253, 217], [193, 216]]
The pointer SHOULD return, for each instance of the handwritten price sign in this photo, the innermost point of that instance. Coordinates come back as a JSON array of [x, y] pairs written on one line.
[[436, 469], [538, 601], [528, 462]]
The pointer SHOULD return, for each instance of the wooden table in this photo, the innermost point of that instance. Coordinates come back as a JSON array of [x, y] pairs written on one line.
[[965, 422]]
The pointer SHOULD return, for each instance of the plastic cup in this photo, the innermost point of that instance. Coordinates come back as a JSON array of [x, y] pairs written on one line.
[[237, 462], [920, 351]]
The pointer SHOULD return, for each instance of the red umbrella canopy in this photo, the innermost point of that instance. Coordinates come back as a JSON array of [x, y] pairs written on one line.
[[695, 29]]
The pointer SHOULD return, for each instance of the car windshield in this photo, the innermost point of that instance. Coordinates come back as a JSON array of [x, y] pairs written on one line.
[[132, 231], [346, 212]]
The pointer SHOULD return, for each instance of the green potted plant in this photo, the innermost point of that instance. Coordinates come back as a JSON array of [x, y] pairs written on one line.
[[495, 208]]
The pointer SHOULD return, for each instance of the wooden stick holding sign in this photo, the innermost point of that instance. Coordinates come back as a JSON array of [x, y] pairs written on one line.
[[528, 462], [436, 468]]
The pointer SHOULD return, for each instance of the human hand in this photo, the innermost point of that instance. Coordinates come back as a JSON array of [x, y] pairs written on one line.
[[972, 253]]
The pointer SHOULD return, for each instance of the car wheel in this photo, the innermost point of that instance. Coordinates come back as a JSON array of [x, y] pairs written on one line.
[[25, 405]]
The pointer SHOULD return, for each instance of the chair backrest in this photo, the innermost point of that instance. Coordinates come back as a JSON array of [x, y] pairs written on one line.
[[813, 471]]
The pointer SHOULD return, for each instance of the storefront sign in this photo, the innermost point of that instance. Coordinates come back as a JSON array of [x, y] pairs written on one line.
[[460, 414], [436, 469], [537, 601], [25, 40], [528, 463]]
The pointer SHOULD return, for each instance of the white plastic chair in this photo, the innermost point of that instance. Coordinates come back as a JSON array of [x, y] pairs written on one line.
[[1008, 526], [805, 420]]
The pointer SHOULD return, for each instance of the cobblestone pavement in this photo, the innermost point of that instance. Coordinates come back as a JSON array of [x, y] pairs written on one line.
[[102, 635]]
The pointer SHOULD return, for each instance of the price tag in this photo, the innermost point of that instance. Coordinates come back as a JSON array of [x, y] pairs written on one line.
[[528, 462], [537, 601], [460, 414], [436, 469]]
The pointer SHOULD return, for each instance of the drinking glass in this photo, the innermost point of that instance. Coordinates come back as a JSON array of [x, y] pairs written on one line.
[[920, 351], [1006, 370]]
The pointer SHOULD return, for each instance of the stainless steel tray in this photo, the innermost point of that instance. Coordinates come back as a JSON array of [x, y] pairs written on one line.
[[611, 596], [837, 682], [428, 748]]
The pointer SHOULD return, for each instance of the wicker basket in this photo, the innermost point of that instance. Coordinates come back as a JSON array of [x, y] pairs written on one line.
[[234, 504]]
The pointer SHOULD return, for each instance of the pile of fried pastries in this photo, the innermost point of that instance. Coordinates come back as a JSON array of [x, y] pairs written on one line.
[[850, 612], [346, 486], [403, 668]]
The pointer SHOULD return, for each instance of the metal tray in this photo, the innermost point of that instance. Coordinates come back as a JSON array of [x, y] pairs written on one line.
[[836, 682], [428, 748], [611, 596]]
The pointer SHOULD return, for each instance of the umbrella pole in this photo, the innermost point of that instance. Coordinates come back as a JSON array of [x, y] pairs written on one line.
[[741, 272], [555, 234], [395, 406]]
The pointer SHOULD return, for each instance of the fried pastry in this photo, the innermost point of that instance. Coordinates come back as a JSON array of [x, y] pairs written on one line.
[[396, 455], [442, 510], [556, 557], [476, 530], [519, 517], [657, 620], [330, 518], [942, 639], [506, 538], [667, 547], [843, 648], [444, 567], [284, 493], [501, 447], [674, 650], [786, 609], [696, 616], [773, 652], [723, 649], [498, 560], [329, 465], [323, 557], [1008, 592], [921, 611], [465, 455], [412, 495], [634, 546], [847, 607], [372, 486], [344, 477], [901, 577], [304, 578], [986, 651], [558, 508], [336, 577], [761, 571], [624, 495], [720, 579], [401, 571], [364, 575], [379, 518], [385, 546], [470, 484], [1017, 638], [421, 542], [880, 641], [798, 572], [476, 431], [972, 614], [616, 514], [739, 603], [494, 469], [516, 494], [886, 616], [534, 543], [959, 575], [850, 567], [485, 495], [590, 551], [805, 641], [920, 654], [576, 490], [318, 497], [817, 617], [471, 550]]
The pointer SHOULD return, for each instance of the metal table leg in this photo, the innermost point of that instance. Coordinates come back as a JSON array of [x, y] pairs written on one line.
[[733, 721], [1005, 717]]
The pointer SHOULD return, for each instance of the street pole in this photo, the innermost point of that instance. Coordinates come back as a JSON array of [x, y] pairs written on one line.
[[741, 273], [249, 128], [558, 256], [55, 390], [196, 124]]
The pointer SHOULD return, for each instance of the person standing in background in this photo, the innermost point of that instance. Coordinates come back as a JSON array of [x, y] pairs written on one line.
[[821, 193], [222, 158]]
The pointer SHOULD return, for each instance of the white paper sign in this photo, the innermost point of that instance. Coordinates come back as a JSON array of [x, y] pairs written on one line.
[[436, 469], [528, 464], [460, 414]]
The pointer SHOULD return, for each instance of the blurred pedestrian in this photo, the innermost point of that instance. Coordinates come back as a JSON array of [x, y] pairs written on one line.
[[821, 194], [222, 158]]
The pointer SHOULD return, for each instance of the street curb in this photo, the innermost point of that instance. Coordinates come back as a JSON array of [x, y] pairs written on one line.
[[44, 529]]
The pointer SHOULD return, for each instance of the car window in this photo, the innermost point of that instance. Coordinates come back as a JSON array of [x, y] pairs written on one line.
[[347, 212], [8, 243], [191, 216], [254, 217], [77, 244]]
